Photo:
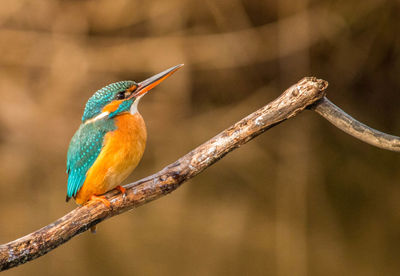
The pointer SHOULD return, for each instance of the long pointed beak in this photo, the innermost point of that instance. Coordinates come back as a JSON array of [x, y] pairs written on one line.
[[150, 83]]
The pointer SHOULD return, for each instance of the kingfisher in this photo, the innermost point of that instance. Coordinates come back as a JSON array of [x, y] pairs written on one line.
[[111, 140]]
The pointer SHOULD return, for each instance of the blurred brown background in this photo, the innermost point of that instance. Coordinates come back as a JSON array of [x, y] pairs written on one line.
[[302, 199]]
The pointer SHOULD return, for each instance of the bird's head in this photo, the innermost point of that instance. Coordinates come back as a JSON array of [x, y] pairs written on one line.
[[122, 96]]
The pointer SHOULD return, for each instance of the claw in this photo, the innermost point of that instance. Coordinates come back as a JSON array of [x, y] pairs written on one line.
[[101, 199], [121, 189]]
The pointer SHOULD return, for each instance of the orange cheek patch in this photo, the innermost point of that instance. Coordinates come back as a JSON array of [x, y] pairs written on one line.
[[111, 107], [132, 88]]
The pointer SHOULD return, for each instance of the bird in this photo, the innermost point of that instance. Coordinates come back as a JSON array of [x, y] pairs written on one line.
[[110, 141]]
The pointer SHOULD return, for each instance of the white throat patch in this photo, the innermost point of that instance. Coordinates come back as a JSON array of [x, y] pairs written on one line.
[[134, 106]]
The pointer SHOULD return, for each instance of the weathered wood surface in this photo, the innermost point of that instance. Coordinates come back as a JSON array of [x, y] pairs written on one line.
[[307, 93], [348, 124], [291, 102]]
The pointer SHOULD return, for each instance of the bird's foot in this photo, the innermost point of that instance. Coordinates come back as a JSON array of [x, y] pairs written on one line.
[[121, 189], [102, 199]]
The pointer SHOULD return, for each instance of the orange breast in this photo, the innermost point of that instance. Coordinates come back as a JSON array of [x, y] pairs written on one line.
[[122, 151]]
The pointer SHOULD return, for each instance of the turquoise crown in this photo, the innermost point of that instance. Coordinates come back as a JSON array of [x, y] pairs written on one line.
[[103, 97]]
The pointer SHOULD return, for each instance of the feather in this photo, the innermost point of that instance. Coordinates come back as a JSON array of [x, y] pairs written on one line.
[[83, 151]]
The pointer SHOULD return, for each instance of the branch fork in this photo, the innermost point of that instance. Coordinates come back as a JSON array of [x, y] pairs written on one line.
[[308, 93]]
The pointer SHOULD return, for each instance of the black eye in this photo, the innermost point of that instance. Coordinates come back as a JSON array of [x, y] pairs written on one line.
[[120, 95]]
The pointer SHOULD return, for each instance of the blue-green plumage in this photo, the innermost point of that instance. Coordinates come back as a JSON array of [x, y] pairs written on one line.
[[124, 106], [104, 96], [88, 141], [98, 120], [83, 151]]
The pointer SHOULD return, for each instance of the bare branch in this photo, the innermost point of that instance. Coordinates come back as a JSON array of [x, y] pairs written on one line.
[[294, 100], [307, 93], [348, 124]]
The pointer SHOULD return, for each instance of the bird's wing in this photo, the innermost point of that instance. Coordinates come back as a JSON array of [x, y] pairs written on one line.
[[83, 151]]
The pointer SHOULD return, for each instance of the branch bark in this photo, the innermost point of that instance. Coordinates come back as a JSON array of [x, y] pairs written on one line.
[[351, 126], [307, 93]]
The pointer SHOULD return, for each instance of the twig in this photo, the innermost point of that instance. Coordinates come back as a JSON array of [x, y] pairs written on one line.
[[348, 124], [307, 93]]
